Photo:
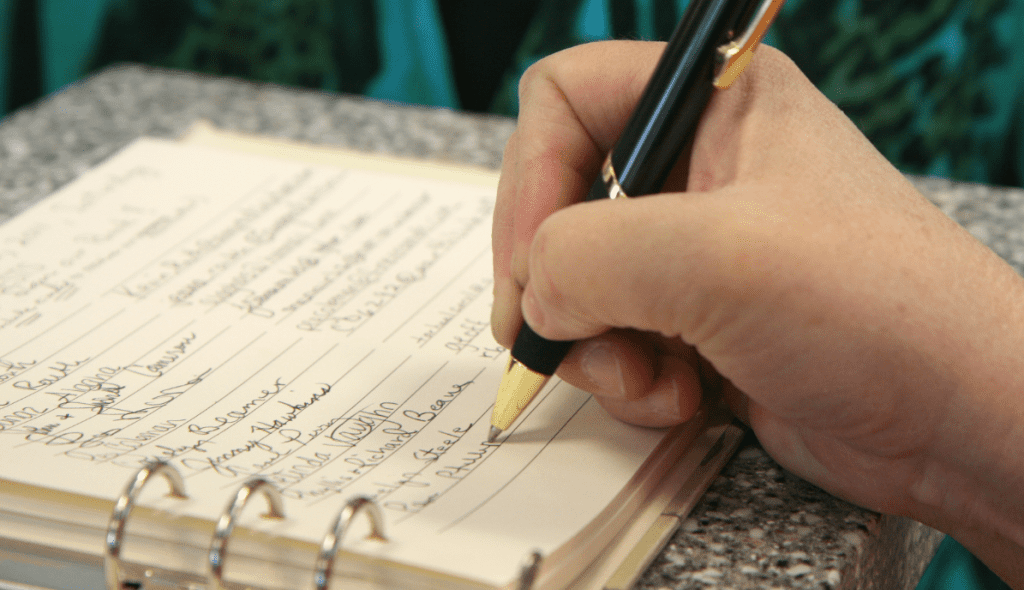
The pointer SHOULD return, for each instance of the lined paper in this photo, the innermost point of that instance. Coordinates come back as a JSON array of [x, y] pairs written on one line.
[[327, 328]]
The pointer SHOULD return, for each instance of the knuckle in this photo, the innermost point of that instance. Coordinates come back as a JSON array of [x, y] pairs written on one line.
[[536, 73], [777, 70]]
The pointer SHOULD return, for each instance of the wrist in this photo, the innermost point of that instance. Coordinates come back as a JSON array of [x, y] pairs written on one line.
[[990, 528], [971, 481]]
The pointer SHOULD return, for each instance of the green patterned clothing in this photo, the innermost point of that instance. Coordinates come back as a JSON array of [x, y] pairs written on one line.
[[934, 84]]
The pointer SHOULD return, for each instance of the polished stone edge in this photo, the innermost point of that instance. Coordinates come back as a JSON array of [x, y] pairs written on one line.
[[880, 566]]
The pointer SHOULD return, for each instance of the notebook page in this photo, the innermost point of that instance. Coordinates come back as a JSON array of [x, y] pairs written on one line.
[[326, 328]]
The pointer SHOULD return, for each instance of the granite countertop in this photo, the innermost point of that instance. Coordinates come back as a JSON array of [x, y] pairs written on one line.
[[757, 527]]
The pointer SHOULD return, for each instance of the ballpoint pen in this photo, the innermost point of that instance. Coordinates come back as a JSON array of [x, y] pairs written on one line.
[[712, 44]]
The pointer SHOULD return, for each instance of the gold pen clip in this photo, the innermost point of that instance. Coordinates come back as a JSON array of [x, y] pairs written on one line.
[[734, 56]]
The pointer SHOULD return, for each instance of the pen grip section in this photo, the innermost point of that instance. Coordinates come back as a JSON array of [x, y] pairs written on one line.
[[538, 353]]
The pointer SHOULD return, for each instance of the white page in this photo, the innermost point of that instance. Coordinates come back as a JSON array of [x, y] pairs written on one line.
[[240, 315]]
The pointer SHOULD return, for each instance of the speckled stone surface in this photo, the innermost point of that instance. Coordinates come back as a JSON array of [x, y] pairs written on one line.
[[757, 527]]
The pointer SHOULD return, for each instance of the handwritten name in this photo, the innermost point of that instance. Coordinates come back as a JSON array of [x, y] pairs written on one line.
[[173, 354], [293, 412], [136, 441], [12, 419], [322, 487], [468, 296], [350, 431], [238, 414], [168, 453], [437, 405], [470, 329], [57, 371], [469, 461], [451, 436], [364, 460], [219, 463], [254, 303], [302, 467], [11, 369], [162, 399]]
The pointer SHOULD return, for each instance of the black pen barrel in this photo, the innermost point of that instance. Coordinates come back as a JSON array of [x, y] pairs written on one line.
[[671, 106]]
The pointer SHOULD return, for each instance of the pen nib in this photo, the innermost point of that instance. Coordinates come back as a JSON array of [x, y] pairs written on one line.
[[494, 434]]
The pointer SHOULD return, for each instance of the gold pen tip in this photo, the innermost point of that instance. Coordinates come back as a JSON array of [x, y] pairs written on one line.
[[494, 434], [518, 386]]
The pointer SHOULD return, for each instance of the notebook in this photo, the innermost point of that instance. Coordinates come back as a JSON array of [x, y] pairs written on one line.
[[239, 307]]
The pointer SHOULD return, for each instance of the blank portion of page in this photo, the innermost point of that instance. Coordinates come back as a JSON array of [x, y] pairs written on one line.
[[326, 328]]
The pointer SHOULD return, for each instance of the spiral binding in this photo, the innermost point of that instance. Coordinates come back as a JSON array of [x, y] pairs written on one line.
[[332, 540], [112, 570], [225, 526]]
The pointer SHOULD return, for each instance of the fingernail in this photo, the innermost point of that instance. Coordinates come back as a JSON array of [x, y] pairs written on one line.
[[665, 402], [533, 314], [658, 409], [604, 370]]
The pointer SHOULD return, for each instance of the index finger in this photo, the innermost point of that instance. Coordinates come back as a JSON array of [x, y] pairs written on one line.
[[573, 106]]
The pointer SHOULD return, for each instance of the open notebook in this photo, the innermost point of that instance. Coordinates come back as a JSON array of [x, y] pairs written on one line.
[[238, 307]]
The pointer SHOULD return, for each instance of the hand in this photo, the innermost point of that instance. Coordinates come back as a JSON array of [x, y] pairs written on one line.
[[874, 347]]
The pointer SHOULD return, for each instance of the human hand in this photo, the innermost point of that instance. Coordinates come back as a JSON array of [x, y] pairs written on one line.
[[870, 342]]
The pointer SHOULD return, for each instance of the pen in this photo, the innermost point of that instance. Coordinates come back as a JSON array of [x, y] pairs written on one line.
[[704, 53]]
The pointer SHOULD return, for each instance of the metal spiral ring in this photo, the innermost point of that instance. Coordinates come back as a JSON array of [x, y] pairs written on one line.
[[226, 524], [332, 540], [123, 508]]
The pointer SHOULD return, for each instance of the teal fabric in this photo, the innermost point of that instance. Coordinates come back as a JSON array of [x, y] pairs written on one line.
[[71, 29], [935, 84], [954, 568], [415, 68]]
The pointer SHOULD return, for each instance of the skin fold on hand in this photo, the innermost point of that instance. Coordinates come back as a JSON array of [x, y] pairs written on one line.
[[869, 341]]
